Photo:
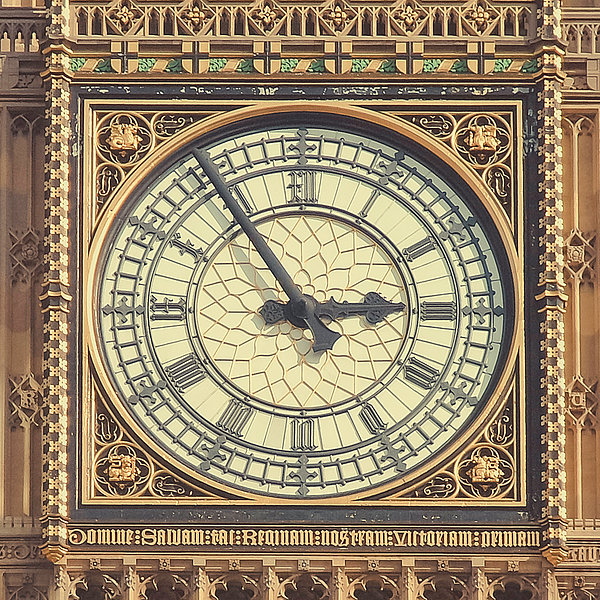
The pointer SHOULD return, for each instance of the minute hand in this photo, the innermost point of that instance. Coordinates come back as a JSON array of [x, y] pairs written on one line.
[[302, 305]]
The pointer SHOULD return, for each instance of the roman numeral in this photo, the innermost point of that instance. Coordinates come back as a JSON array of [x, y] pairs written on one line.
[[235, 417], [186, 247], [369, 203], [438, 311], [247, 205], [186, 372], [302, 187], [418, 249], [420, 373], [303, 435], [371, 419], [167, 310]]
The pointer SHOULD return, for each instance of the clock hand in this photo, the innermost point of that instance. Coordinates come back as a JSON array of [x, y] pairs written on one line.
[[374, 307], [302, 306]]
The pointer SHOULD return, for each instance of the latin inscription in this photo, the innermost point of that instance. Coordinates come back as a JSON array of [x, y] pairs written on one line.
[[310, 537]]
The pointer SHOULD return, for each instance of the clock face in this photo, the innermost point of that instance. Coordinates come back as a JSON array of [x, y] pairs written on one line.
[[208, 355]]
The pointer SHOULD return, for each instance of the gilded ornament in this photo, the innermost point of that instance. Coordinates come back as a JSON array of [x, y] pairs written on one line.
[[167, 124], [409, 15], [108, 178], [195, 16], [337, 17], [440, 486], [439, 125], [482, 140], [486, 470], [124, 138], [122, 468], [479, 17], [267, 16]]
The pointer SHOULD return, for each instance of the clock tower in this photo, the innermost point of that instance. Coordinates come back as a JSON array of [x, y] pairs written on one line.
[[304, 289]]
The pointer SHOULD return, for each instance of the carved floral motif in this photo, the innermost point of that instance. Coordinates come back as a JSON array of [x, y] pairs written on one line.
[[24, 400], [580, 255], [338, 16], [125, 15], [267, 15], [124, 138], [482, 139], [26, 250], [410, 15], [479, 16], [196, 15]]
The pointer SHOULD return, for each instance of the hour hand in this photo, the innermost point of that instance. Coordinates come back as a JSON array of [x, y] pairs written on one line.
[[374, 308]]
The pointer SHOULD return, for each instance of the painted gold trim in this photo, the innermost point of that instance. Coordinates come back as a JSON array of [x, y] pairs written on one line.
[[164, 151]]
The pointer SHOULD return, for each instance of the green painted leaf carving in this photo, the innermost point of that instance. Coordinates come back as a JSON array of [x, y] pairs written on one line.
[[460, 66], [216, 64], [246, 66], [104, 66], [77, 63], [359, 64], [530, 66], [387, 66], [430, 65], [317, 66], [289, 64], [502, 64], [175, 66], [145, 64]]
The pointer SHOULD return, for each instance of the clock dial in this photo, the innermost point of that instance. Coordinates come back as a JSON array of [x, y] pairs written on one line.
[[211, 355]]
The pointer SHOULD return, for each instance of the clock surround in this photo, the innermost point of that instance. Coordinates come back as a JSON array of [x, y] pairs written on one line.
[[415, 140]]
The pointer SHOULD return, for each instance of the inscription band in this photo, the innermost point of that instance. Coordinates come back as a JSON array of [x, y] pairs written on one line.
[[281, 538]]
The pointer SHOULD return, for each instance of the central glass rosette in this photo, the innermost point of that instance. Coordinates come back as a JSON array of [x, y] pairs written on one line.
[[274, 363]]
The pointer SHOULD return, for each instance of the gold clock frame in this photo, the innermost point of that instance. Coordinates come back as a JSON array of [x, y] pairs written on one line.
[[95, 382]]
